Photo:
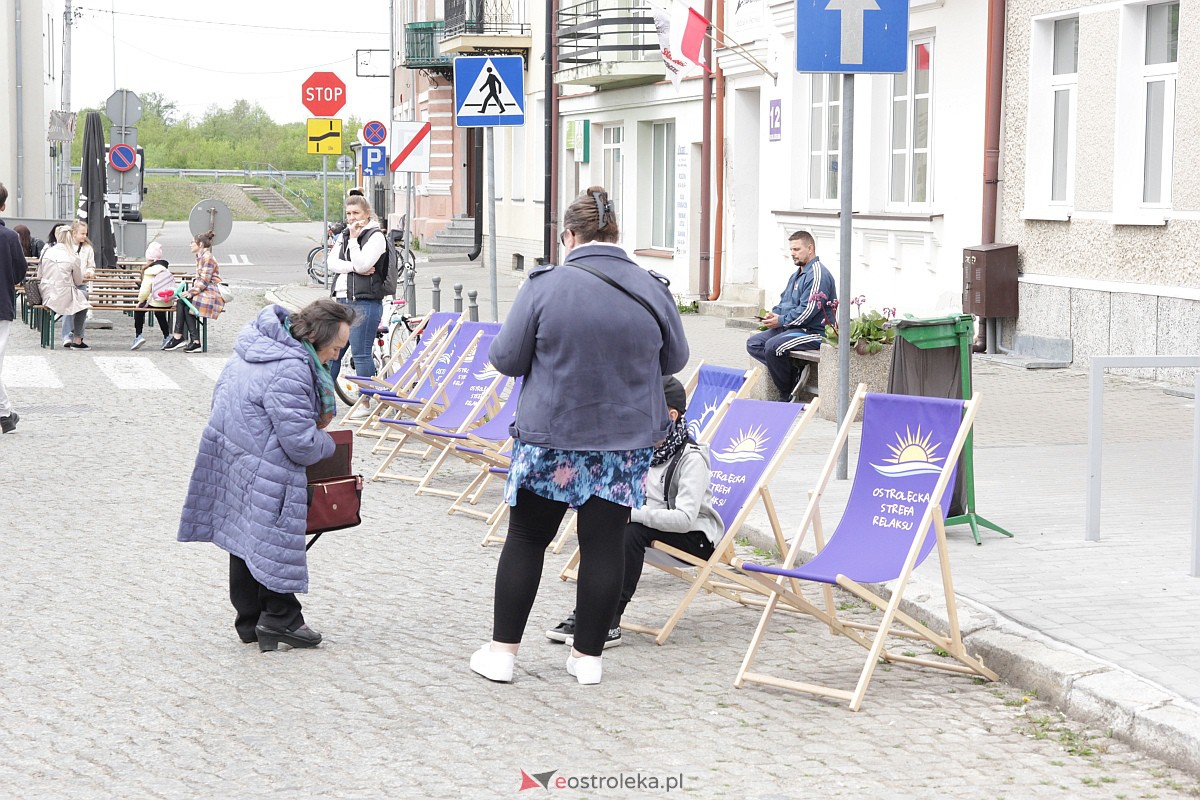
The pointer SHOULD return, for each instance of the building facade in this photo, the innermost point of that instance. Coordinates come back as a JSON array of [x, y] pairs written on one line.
[[1100, 135]]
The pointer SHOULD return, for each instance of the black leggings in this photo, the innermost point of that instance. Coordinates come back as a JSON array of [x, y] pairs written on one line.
[[532, 524], [186, 322], [139, 321]]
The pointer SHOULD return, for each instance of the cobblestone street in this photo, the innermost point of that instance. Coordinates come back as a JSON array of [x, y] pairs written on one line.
[[121, 675]]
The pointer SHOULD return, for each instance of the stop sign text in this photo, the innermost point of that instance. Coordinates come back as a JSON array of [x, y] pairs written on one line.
[[323, 94]]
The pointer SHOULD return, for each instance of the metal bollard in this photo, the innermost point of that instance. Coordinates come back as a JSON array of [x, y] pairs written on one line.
[[458, 298], [410, 292], [437, 293], [473, 305]]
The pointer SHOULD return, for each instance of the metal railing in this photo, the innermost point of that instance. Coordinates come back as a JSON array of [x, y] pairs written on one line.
[[497, 17], [606, 30], [1091, 530], [421, 49], [277, 177]]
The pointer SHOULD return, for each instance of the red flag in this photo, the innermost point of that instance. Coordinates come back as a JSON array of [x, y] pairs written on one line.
[[681, 31]]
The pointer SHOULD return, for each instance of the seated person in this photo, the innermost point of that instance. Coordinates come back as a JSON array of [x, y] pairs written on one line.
[[157, 294], [678, 510], [798, 321]]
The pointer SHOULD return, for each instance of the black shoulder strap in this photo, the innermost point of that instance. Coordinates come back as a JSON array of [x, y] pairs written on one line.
[[641, 300]]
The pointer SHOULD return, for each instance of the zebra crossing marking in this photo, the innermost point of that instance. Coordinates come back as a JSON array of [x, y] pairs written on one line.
[[134, 372], [29, 372]]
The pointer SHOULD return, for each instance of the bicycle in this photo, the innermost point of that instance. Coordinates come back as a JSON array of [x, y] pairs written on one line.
[[318, 257], [390, 338]]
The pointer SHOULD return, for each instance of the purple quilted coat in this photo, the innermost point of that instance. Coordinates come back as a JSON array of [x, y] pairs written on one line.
[[248, 489]]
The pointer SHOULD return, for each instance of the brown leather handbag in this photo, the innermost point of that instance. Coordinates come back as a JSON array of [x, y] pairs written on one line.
[[334, 493]]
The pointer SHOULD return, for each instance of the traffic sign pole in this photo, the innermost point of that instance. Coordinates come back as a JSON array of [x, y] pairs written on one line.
[[845, 195], [325, 211], [491, 197]]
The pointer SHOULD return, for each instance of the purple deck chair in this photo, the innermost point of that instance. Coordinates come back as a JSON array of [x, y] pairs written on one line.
[[746, 449], [469, 390], [482, 445], [906, 460], [714, 388]]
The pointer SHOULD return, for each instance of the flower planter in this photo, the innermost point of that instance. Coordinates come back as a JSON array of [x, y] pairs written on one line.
[[873, 370]]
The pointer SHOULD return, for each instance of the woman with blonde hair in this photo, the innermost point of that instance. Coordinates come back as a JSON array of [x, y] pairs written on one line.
[[61, 277], [82, 246]]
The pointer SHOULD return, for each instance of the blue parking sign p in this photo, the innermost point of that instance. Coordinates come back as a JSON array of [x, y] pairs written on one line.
[[374, 161]]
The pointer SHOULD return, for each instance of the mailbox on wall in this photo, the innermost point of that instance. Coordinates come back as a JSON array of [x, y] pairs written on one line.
[[990, 280]]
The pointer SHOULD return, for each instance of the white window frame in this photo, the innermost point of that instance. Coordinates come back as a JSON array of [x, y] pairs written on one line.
[[1068, 83], [662, 185], [910, 151], [519, 163], [612, 148], [824, 140], [1168, 74]]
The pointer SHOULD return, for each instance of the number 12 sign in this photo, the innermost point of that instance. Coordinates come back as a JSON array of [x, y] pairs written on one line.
[[775, 121]]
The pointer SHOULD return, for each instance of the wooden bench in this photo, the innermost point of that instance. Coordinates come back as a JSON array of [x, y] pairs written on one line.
[[806, 385]]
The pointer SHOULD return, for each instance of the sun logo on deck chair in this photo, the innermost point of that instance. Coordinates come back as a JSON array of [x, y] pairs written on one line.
[[695, 426], [487, 372], [746, 446], [911, 455]]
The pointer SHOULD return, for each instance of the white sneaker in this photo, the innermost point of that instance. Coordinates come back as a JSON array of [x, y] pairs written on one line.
[[138, 341], [493, 665], [361, 412], [586, 669]]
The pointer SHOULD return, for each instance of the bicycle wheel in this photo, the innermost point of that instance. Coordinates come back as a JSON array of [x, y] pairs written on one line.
[[347, 390], [398, 338], [318, 258]]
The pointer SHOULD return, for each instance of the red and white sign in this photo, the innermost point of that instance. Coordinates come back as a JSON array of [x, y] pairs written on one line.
[[323, 94], [410, 142]]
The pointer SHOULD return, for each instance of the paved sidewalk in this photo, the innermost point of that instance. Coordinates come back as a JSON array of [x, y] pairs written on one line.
[[1110, 630], [120, 675]]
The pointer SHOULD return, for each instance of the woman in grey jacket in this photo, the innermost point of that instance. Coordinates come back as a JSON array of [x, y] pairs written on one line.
[[678, 510], [592, 339]]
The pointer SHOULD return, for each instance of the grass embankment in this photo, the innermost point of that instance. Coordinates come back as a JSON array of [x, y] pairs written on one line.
[[172, 198]]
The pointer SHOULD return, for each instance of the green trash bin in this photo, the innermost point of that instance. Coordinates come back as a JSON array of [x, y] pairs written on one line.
[[932, 358]]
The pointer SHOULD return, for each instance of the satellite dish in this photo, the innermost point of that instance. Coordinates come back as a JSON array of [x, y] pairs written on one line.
[[211, 215]]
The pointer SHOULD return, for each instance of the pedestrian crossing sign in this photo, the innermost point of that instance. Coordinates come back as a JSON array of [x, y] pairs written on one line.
[[489, 91]]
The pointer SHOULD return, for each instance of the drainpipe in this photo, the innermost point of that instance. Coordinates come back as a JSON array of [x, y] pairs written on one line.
[[706, 162], [991, 135], [551, 152], [477, 142], [719, 224], [19, 186]]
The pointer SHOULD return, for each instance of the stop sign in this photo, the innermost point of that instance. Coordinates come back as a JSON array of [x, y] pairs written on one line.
[[323, 94]]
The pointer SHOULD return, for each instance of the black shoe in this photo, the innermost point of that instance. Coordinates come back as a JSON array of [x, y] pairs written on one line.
[[81, 346], [563, 632], [9, 424], [251, 639], [194, 347], [270, 638], [613, 637], [176, 344]]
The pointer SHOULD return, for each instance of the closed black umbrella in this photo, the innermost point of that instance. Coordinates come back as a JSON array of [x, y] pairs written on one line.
[[94, 182]]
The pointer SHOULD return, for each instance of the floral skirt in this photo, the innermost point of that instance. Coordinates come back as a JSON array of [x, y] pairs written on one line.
[[574, 476]]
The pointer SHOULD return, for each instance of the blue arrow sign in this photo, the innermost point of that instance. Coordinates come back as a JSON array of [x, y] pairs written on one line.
[[122, 157], [851, 35], [374, 161], [489, 91]]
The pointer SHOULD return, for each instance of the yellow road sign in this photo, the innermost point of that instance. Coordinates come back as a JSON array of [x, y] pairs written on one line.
[[324, 136]]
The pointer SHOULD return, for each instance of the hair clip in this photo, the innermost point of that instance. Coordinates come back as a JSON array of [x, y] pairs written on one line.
[[601, 209]]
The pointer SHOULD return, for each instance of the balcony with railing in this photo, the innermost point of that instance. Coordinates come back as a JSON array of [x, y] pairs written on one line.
[[422, 46], [487, 26], [608, 43]]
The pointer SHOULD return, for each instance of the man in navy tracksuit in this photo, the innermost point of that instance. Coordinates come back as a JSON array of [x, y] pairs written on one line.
[[798, 321]]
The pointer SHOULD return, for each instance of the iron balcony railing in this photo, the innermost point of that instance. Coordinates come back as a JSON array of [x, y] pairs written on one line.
[[494, 17], [606, 30], [421, 49]]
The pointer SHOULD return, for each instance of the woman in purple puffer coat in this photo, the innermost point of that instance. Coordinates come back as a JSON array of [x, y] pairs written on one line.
[[248, 492]]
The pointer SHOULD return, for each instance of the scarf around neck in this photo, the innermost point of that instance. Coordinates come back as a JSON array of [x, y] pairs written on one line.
[[324, 378], [677, 437]]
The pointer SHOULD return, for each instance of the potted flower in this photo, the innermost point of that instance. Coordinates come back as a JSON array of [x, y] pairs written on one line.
[[870, 356]]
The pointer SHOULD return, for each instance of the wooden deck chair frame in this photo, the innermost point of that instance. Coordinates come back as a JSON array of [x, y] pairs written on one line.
[[478, 451], [433, 405], [750, 378], [788, 591], [487, 402], [718, 574], [489, 459], [403, 405], [414, 373]]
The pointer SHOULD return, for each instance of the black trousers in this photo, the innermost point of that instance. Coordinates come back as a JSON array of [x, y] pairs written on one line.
[[139, 321], [186, 321], [257, 605], [532, 524], [637, 538]]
